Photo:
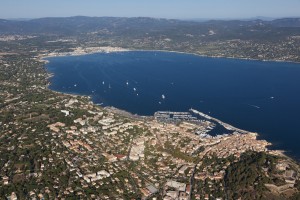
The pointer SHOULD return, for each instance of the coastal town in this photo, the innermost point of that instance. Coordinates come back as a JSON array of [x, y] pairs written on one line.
[[83, 51], [84, 150], [63, 146]]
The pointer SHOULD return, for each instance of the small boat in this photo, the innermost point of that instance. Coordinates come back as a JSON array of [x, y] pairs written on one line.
[[163, 96], [127, 83], [75, 85], [134, 89], [102, 82], [254, 106]]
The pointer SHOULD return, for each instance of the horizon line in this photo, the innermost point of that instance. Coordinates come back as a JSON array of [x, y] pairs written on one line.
[[188, 18]]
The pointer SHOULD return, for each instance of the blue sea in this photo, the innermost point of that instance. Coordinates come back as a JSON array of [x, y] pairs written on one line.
[[257, 96]]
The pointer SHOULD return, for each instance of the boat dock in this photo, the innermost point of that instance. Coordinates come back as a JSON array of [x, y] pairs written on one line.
[[174, 117]]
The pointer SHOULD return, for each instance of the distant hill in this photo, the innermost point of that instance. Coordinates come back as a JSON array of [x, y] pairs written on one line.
[[287, 22], [81, 24]]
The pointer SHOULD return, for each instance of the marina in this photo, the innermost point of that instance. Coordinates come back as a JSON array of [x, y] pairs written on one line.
[[213, 127], [174, 117]]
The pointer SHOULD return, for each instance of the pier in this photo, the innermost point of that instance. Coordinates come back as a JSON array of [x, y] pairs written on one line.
[[175, 117]]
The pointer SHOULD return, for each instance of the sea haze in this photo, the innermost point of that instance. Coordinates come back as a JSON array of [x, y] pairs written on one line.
[[257, 96]]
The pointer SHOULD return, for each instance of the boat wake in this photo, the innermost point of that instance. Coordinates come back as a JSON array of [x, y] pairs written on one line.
[[254, 106]]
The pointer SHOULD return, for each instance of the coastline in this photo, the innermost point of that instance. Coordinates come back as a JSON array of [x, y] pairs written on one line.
[[79, 51], [124, 113], [207, 56], [93, 50]]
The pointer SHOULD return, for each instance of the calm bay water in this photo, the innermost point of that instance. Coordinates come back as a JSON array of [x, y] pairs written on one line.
[[262, 97]]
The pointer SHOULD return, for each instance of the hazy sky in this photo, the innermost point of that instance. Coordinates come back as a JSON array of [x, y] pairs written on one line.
[[150, 8]]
